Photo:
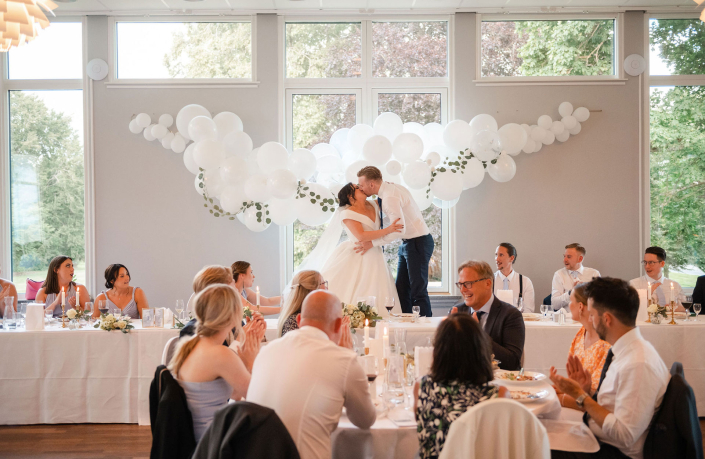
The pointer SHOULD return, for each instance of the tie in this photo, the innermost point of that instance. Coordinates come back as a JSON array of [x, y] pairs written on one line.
[[479, 316], [381, 221], [575, 274], [608, 362], [506, 284]]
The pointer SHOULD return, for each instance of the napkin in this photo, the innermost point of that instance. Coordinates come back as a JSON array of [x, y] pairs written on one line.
[[423, 358], [168, 318], [34, 319], [643, 315], [505, 295], [570, 436]]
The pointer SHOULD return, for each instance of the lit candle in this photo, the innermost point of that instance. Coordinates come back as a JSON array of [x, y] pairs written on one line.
[[63, 297], [385, 344], [257, 291], [672, 294], [648, 293], [367, 336], [78, 295]]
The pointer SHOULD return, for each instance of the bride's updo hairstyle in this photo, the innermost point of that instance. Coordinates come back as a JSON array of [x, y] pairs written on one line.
[[303, 283], [345, 194]]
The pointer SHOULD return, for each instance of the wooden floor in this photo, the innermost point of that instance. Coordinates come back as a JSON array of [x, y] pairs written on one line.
[[114, 441]]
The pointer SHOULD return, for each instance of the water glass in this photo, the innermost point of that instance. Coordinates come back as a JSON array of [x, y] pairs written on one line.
[[394, 390], [520, 304], [399, 336], [179, 308], [9, 318], [21, 314], [88, 309], [372, 301], [544, 310], [48, 315], [416, 310], [696, 310]]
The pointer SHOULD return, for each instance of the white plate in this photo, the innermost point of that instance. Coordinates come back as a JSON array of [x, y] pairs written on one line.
[[531, 316], [500, 376], [528, 396]]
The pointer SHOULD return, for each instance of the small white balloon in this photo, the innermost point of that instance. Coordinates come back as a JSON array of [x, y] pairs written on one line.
[[447, 185], [557, 127], [159, 131], [166, 140], [234, 170], [389, 125], [256, 188], [237, 143], [538, 134], [581, 114], [422, 199], [202, 128], [435, 133], [407, 147], [178, 145], [484, 122], [233, 198], [445, 204], [458, 135], [358, 135], [473, 174], [545, 122], [143, 120], [433, 159], [565, 109], [563, 136], [569, 122], [504, 169], [512, 138], [252, 163], [227, 122], [302, 163], [148, 136], [208, 154], [282, 211], [166, 120], [417, 175], [329, 164], [393, 167], [538, 147], [134, 127], [377, 150], [188, 160], [530, 146], [213, 183], [339, 140], [526, 128], [257, 220], [185, 115], [324, 149], [576, 129], [549, 138], [272, 156], [352, 170], [282, 184]]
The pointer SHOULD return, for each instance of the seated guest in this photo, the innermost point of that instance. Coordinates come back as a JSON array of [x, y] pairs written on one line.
[[303, 283], [570, 275], [130, 300], [244, 279], [699, 291], [209, 373], [309, 375], [459, 379], [60, 276], [654, 261], [634, 380], [7, 289], [501, 321], [507, 279], [587, 347]]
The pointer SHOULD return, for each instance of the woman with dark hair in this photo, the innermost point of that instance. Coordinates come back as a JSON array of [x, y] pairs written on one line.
[[244, 278], [130, 300], [60, 277], [459, 379]]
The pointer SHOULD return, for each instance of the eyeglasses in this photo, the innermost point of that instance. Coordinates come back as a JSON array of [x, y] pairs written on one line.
[[323, 284], [650, 263], [469, 284]]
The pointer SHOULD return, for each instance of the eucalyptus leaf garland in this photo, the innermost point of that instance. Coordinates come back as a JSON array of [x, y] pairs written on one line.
[[458, 165], [217, 211]]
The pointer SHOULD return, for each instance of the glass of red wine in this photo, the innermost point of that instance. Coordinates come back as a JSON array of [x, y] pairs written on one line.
[[369, 364], [389, 304]]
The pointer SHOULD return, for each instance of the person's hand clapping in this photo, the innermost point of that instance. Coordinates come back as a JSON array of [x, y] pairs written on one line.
[[565, 385], [249, 350], [578, 373], [345, 335]]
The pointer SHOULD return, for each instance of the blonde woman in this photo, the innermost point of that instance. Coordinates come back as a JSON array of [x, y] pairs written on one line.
[[303, 283], [208, 372]]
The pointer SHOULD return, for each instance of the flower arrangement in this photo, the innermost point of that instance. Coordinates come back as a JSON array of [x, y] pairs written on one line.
[[78, 314], [247, 312], [109, 322], [359, 312], [656, 310]]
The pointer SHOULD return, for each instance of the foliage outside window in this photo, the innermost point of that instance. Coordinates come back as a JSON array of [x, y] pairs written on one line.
[[410, 49], [323, 50], [317, 116]]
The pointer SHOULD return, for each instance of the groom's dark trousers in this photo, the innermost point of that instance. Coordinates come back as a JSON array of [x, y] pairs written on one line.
[[412, 274]]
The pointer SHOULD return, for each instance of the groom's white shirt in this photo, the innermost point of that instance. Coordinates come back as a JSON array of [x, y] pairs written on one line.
[[397, 202]]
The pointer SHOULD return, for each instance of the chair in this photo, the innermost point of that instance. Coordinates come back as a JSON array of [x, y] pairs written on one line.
[[474, 434], [169, 350], [170, 418], [547, 300], [32, 289], [675, 429]]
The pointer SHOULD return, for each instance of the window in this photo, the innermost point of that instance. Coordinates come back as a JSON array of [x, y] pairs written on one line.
[[677, 131], [57, 55], [323, 50], [410, 49], [183, 50]]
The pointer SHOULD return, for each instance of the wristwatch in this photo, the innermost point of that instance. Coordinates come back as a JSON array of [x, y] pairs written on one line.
[[580, 400]]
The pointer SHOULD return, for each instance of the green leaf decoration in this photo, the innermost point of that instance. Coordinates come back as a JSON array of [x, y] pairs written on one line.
[[216, 214], [325, 209], [269, 221], [313, 201], [259, 214]]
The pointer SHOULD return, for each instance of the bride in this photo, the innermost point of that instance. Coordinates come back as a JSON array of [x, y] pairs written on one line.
[[352, 276]]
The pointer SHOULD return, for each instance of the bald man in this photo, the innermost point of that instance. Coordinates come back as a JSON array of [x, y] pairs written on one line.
[[309, 374]]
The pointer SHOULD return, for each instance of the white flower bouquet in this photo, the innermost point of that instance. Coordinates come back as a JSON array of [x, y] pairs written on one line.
[[359, 312], [76, 314], [109, 322], [656, 310]]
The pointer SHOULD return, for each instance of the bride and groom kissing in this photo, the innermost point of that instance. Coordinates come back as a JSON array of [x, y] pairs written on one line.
[[356, 268]]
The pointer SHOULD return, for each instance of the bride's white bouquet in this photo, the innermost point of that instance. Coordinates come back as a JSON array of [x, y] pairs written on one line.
[[358, 313]]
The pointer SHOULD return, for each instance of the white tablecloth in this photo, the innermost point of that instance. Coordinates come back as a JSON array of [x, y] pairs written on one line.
[[78, 376]]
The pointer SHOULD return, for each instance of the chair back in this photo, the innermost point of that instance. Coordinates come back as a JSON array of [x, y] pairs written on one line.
[[169, 350], [32, 288], [474, 434]]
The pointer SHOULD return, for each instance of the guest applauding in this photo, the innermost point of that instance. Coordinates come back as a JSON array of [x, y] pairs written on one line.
[[572, 273], [307, 377], [7, 289], [208, 372], [661, 291], [244, 279], [303, 283], [130, 300], [633, 381], [60, 278], [459, 379], [501, 321], [507, 279]]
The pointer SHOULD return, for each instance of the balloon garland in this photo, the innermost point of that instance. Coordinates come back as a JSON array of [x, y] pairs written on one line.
[[269, 184]]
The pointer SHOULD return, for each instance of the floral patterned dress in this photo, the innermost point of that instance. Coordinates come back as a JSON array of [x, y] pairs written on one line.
[[439, 405], [290, 324], [593, 358]]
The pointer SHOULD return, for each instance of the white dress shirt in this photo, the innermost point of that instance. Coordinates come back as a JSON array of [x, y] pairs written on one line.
[[307, 379], [486, 309], [513, 285], [660, 294], [563, 282], [397, 202], [632, 391]]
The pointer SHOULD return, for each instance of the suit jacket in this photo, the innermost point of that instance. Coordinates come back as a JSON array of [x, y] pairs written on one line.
[[699, 291], [505, 327], [171, 421]]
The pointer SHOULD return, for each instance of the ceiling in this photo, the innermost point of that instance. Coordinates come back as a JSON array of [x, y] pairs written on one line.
[[362, 6]]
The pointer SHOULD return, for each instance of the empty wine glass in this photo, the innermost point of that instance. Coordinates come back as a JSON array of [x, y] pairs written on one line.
[[544, 310], [179, 308], [395, 380], [88, 309], [696, 310], [21, 314]]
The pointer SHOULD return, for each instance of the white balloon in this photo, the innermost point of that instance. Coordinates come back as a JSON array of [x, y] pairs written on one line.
[[393, 167], [272, 156], [545, 122], [576, 129], [407, 147], [178, 145], [352, 170], [538, 134], [444, 151], [549, 138], [208, 154], [234, 170], [512, 138], [447, 185], [433, 159], [227, 122], [257, 220], [159, 131], [199, 186], [458, 135], [324, 149], [252, 164], [143, 120], [241, 217], [134, 127], [166, 140], [186, 114], [389, 125], [581, 114], [335, 187], [358, 135], [318, 213], [213, 183], [302, 163], [485, 145], [188, 159], [445, 204], [569, 122], [557, 127], [339, 140], [504, 169], [529, 146], [423, 200], [329, 164], [282, 184], [166, 120], [484, 122], [563, 136], [256, 188], [148, 136], [233, 198], [527, 128], [282, 211], [435, 133], [417, 175], [418, 129], [565, 109], [202, 128], [538, 147], [473, 174], [349, 157], [237, 143], [377, 150]]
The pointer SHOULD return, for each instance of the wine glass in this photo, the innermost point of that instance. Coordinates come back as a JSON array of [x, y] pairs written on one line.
[[179, 308], [48, 314], [389, 304], [544, 310], [416, 311], [102, 307], [696, 310], [369, 364], [88, 310], [687, 302]]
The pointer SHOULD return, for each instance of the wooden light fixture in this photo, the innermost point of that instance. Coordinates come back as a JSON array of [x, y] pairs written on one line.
[[21, 20]]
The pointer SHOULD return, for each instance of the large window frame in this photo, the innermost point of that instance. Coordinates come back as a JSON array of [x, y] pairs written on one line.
[[85, 85], [367, 88]]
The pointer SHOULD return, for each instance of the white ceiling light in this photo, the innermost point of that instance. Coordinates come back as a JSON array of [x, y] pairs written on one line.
[[21, 20]]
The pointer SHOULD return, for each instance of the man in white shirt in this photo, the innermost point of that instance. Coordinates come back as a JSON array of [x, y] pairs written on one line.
[[308, 375], [654, 261], [633, 380], [507, 279], [570, 275], [417, 243]]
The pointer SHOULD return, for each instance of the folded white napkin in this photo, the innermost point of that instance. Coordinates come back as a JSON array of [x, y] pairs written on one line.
[[34, 319], [505, 295], [643, 314], [423, 358]]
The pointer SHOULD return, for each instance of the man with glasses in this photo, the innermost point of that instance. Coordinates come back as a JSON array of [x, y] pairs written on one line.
[[501, 321], [654, 262]]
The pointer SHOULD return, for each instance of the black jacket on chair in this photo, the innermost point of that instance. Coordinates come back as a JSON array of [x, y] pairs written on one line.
[[699, 291], [505, 325], [172, 424], [245, 430], [675, 429]]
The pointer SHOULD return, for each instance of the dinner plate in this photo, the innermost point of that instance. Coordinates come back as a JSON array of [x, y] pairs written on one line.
[[528, 396], [509, 377], [531, 316], [403, 317]]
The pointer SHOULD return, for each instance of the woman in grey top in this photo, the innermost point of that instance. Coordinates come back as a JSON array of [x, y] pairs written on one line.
[[60, 277], [130, 300]]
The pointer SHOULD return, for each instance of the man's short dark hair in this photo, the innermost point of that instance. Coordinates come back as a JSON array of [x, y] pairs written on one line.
[[461, 351], [658, 251], [511, 250], [577, 247], [616, 297]]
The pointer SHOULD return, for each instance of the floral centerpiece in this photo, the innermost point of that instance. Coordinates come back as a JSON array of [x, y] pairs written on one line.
[[359, 312], [109, 322], [655, 310], [247, 312], [77, 314]]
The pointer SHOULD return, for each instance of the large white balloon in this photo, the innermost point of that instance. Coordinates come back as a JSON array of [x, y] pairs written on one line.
[[188, 160], [324, 149], [318, 212], [563, 136], [483, 122], [538, 134], [418, 129], [557, 127], [512, 138], [445, 204], [575, 130], [339, 140], [389, 125], [302, 163], [252, 164], [447, 185], [256, 188], [529, 146], [159, 131], [435, 133], [358, 135], [202, 128], [569, 122], [208, 154], [433, 159], [178, 144], [282, 211], [417, 175], [393, 167], [186, 114], [134, 127], [423, 200], [233, 198], [407, 147], [257, 220], [545, 122], [565, 109], [166, 120], [282, 184], [539, 145], [485, 145], [329, 164], [549, 138], [473, 174], [581, 114], [504, 169], [227, 122], [234, 170], [377, 150], [148, 136], [272, 156], [214, 184], [166, 140], [352, 170], [237, 143], [458, 135], [143, 120]]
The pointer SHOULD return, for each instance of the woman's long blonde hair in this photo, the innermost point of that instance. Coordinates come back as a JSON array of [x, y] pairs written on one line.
[[302, 284], [217, 306], [209, 275]]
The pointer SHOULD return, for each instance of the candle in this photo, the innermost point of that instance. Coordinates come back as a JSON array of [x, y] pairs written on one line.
[[78, 295], [385, 344], [63, 297], [367, 336], [672, 295], [257, 291], [648, 293]]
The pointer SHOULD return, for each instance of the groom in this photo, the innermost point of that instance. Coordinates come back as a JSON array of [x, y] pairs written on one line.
[[417, 244]]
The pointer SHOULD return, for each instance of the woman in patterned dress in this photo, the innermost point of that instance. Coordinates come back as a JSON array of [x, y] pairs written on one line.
[[303, 283]]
